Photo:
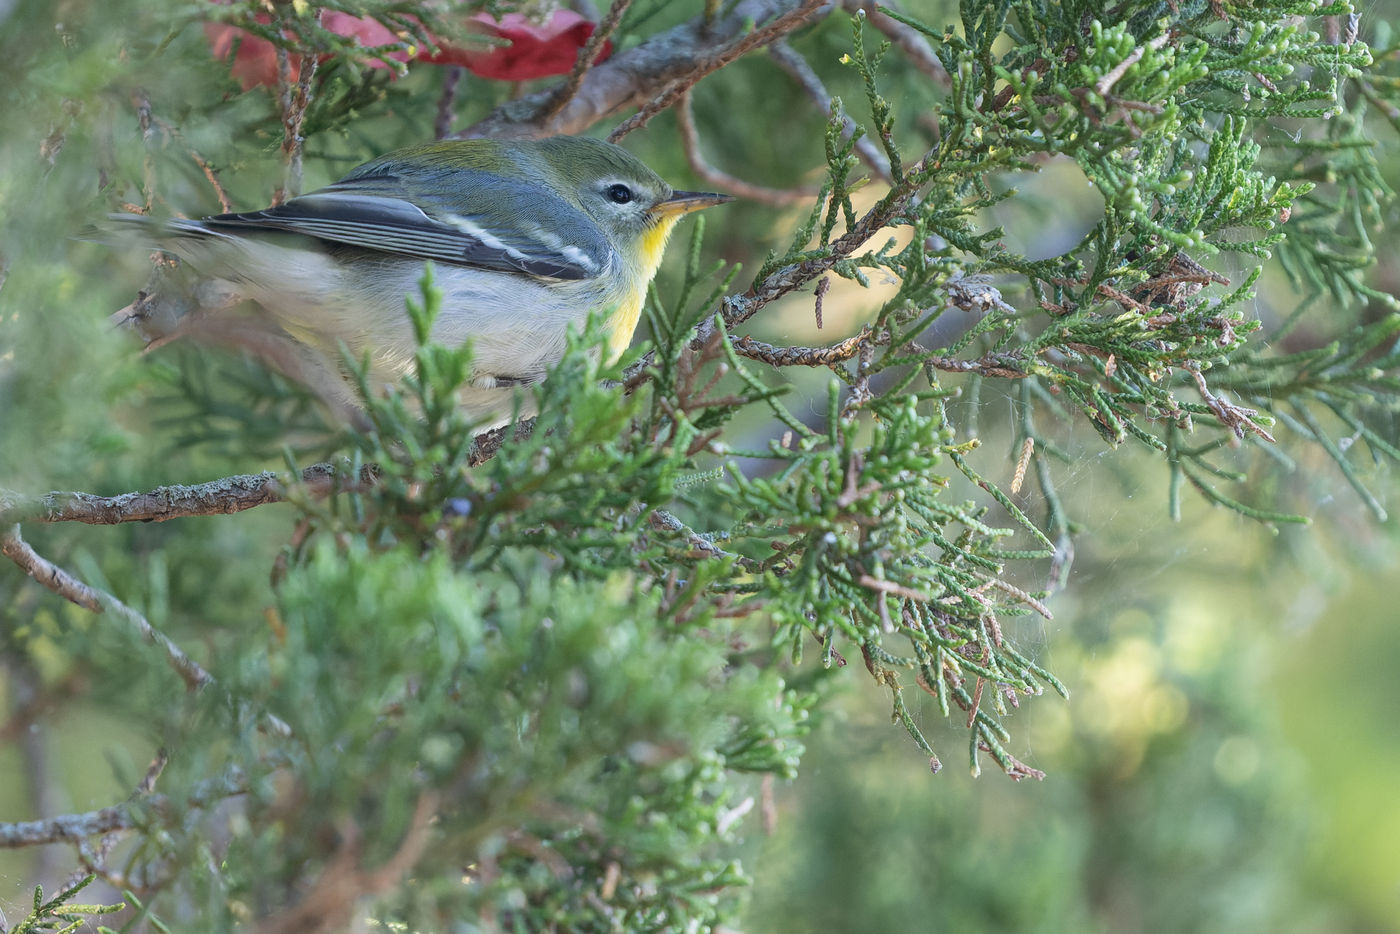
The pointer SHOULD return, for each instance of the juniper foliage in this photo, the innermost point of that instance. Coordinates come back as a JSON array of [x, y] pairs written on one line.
[[528, 681]]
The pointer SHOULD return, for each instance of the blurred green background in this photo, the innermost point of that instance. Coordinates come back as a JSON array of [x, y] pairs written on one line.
[[1228, 760]]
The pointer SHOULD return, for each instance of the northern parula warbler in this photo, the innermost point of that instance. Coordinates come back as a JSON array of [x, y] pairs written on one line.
[[527, 238]]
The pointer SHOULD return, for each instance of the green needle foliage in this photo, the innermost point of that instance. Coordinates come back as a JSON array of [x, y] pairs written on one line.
[[533, 679], [60, 914]]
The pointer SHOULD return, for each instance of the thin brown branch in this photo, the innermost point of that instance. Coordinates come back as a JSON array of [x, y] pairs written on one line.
[[587, 58], [892, 587], [1106, 83], [730, 184], [756, 39], [634, 76], [46, 572], [330, 901], [225, 204], [795, 65], [67, 828], [70, 588], [447, 101], [294, 97], [1018, 593], [1237, 418], [738, 309], [1015, 769]]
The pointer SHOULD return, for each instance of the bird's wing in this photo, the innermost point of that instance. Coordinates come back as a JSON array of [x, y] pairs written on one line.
[[502, 228]]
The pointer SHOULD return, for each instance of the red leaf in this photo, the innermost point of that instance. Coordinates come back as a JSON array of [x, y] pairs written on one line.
[[535, 51], [370, 32], [255, 62]]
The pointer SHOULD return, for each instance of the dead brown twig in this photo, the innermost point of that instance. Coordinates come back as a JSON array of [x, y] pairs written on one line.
[[587, 58], [1237, 418], [75, 591], [795, 65], [670, 60], [729, 184], [330, 901], [756, 39]]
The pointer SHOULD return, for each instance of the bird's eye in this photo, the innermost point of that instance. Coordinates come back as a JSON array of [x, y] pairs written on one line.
[[619, 193]]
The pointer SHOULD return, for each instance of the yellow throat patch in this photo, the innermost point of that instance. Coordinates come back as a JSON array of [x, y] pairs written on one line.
[[629, 308]]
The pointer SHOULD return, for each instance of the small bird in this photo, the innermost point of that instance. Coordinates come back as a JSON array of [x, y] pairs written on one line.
[[527, 237]]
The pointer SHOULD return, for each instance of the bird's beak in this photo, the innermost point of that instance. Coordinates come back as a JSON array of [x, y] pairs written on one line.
[[683, 202]]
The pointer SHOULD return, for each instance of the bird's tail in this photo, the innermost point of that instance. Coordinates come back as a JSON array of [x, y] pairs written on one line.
[[146, 231]]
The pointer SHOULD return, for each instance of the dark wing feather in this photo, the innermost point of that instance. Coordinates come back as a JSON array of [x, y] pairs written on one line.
[[379, 213]]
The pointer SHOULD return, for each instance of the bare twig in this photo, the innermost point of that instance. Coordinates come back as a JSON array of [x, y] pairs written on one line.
[[330, 901], [46, 572], [66, 828], [1006, 366], [1015, 769], [756, 39], [90, 598], [1237, 418], [690, 139], [1018, 593], [294, 97], [795, 65], [447, 101], [1106, 83], [587, 58], [738, 309], [632, 77], [225, 204]]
